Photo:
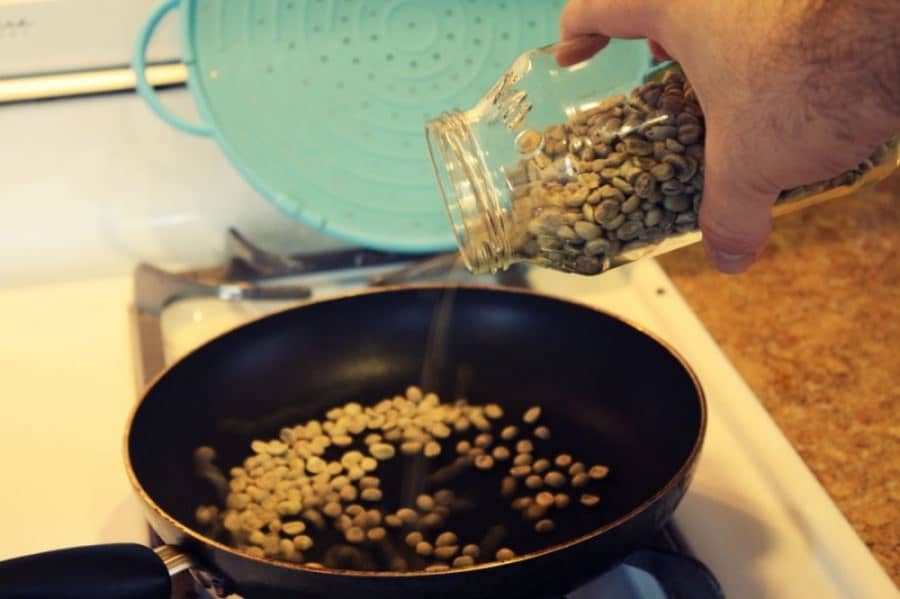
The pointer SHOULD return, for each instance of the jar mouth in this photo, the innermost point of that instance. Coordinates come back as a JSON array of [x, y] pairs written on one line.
[[466, 191], [445, 163]]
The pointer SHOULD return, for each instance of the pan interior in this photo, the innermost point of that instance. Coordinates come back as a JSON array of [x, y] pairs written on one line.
[[610, 394]]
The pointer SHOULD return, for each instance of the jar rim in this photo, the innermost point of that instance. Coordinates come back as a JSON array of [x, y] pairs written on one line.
[[465, 189], [442, 155]]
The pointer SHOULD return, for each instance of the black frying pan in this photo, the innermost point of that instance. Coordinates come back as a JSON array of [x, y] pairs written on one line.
[[610, 392]]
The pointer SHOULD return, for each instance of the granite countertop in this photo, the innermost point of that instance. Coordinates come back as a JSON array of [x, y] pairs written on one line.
[[814, 328]]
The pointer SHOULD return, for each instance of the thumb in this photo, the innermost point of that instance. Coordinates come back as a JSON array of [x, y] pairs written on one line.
[[591, 23], [736, 212], [611, 18]]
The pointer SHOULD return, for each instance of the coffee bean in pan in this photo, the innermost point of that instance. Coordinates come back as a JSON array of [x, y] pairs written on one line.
[[279, 502]]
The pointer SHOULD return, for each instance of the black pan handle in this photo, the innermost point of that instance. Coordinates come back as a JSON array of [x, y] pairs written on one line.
[[117, 571], [680, 577]]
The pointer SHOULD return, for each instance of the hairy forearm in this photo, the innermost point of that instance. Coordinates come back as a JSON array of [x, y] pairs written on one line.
[[850, 51]]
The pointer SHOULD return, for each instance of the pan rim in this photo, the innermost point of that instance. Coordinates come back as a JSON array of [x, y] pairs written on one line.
[[687, 464]]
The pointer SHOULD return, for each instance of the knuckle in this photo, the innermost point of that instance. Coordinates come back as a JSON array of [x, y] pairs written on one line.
[[733, 236]]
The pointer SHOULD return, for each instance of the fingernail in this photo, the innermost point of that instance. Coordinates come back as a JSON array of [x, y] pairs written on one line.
[[730, 263]]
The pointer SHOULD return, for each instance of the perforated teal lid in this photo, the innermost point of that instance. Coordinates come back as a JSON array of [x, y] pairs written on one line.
[[321, 104]]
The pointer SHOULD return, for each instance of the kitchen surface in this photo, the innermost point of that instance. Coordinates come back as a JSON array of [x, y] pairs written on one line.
[[813, 329], [796, 491]]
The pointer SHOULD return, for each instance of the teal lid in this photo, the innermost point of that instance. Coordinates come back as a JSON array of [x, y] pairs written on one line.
[[321, 104]]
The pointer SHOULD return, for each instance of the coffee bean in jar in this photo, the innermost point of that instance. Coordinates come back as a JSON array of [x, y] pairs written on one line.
[[588, 167]]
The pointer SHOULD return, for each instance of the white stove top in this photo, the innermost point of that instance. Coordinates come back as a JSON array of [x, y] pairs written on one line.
[[754, 514]]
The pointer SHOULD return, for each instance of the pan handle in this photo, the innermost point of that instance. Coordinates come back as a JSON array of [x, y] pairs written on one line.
[[115, 571], [680, 577]]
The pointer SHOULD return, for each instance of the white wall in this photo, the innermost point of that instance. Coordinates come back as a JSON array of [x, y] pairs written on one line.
[[89, 186]]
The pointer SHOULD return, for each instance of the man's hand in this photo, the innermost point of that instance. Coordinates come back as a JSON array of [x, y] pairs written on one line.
[[793, 92]]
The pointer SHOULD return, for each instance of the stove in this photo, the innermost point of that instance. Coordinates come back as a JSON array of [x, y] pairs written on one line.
[[176, 312], [754, 515]]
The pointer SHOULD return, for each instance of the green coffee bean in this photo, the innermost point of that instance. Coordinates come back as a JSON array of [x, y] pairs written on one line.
[[598, 472], [638, 146], [615, 223], [587, 230], [332, 509], [406, 515], [672, 187], [509, 432], [608, 192], [660, 132], [534, 481], [355, 535], [293, 528], [554, 479], [689, 134], [520, 471], [425, 503], [544, 499], [382, 451], [597, 247], [376, 534], [483, 440], [589, 500], [369, 482], [446, 552], [206, 514], [534, 511], [371, 494], [674, 145], [500, 453], [676, 203], [521, 503], [484, 462], [505, 554], [653, 217], [541, 466], [622, 185], [588, 265], [437, 568], [544, 526], [631, 204], [432, 449], [531, 415], [630, 230]]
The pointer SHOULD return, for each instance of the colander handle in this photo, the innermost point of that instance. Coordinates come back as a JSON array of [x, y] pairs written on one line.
[[139, 64]]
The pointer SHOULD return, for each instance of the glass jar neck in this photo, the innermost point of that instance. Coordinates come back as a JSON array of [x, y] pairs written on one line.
[[473, 202]]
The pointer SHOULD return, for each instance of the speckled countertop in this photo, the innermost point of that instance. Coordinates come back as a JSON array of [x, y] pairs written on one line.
[[814, 328]]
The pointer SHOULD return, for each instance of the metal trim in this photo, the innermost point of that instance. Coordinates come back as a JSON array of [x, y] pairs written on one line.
[[85, 83]]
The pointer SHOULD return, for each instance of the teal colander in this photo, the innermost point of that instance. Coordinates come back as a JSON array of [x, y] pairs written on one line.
[[321, 104]]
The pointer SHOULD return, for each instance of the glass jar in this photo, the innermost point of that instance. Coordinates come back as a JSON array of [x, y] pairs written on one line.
[[588, 167]]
